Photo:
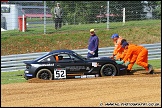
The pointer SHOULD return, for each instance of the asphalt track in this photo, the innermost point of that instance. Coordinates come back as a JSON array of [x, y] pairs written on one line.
[[139, 89]]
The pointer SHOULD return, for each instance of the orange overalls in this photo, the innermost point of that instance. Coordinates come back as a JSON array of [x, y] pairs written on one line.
[[124, 54], [120, 53], [118, 50], [56, 58], [138, 54]]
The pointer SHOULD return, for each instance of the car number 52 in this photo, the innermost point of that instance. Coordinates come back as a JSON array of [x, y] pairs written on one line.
[[59, 73]]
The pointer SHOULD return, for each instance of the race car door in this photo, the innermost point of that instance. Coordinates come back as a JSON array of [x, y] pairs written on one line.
[[68, 64]]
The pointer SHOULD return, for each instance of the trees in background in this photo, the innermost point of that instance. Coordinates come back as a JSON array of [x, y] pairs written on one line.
[[83, 12]]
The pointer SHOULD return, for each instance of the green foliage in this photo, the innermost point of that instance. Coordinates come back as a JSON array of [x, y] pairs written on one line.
[[76, 12], [84, 12], [156, 6], [50, 4], [133, 9], [158, 9]]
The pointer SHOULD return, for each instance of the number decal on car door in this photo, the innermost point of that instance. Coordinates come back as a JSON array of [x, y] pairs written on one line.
[[59, 73]]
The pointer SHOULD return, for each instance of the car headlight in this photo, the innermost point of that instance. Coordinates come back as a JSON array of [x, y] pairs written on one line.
[[26, 71]]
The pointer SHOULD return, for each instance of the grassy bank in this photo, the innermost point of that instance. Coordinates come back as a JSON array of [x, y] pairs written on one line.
[[76, 36]]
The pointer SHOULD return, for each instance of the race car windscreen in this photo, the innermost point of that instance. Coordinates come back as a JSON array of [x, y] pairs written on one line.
[[80, 56]]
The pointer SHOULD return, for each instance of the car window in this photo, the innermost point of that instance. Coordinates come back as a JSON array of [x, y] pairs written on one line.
[[48, 59], [80, 56], [74, 58], [69, 57], [66, 58]]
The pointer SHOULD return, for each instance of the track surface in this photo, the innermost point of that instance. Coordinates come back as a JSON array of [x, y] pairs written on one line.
[[138, 90]]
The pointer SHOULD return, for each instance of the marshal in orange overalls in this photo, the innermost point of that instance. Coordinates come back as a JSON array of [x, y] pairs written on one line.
[[136, 54], [124, 54], [118, 48]]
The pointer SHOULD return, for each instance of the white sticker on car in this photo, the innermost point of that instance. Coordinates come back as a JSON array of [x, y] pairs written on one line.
[[94, 64], [60, 73], [38, 65]]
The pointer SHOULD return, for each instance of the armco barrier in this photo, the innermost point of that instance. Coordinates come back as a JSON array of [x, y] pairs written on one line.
[[13, 63]]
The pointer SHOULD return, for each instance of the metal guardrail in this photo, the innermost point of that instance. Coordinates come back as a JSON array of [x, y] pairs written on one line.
[[11, 63]]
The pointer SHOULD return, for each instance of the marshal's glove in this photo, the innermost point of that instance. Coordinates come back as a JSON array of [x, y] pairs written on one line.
[[119, 62], [112, 57], [127, 63]]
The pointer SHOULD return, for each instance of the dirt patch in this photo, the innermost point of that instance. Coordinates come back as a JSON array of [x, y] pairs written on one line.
[[136, 89]]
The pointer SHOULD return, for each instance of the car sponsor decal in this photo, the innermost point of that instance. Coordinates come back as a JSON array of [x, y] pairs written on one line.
[[87, 76], [60, 73], [75, 68], [35, 65], [122, 69], [28, 75], [83, 76], [87, 68], [91, 76], [38, 65], [95, 64], [48, 64]]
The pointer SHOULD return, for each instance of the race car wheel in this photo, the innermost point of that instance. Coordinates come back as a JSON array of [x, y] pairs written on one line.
[[108, 70], [44, 74]]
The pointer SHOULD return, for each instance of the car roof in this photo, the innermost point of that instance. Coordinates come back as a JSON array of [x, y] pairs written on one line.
[[61, 51]]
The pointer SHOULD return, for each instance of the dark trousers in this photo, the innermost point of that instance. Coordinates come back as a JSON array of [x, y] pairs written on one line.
[[58, 23]]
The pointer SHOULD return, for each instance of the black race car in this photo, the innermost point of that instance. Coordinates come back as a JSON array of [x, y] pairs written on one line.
[[62, 64]]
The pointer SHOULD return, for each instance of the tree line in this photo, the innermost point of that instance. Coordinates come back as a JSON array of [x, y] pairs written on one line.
[[84, 12], [87, 11]]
